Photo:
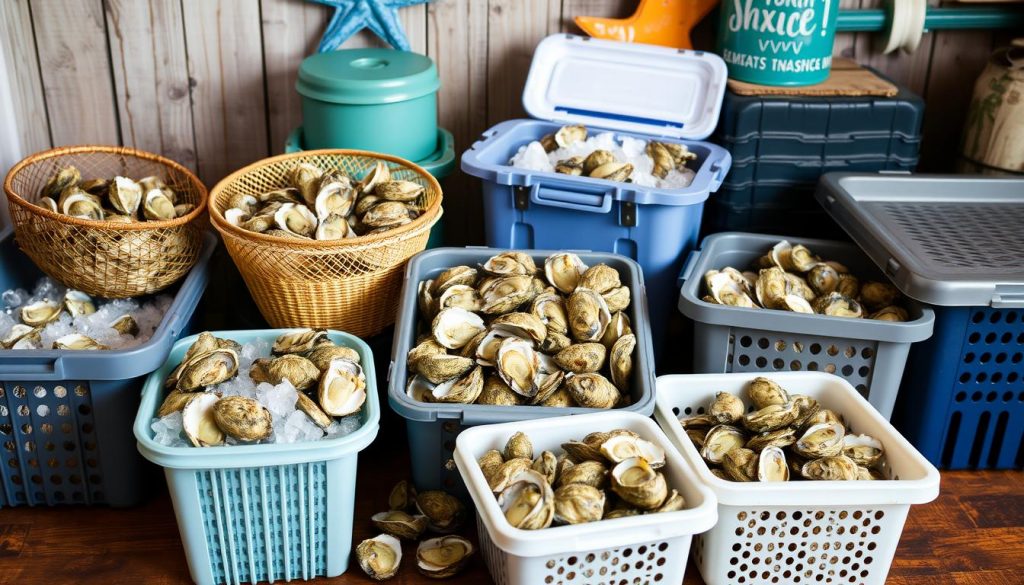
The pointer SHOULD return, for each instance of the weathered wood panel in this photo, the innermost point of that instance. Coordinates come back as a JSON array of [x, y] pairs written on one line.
[[514, 29], [74, 63], [19, 47], [150, 72]]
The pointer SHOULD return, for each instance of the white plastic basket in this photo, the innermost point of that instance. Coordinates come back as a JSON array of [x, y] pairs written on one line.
[[807, 532], [647, 549]]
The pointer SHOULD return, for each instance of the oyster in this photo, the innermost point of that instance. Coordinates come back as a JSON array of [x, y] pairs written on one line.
[[549, 308], [306, 178], [547, 386], [569, 135], [588, 315], [771, 287], [577, 503], [461, 296], [454, 327], [125, 325], [612, 171], [636, 482], [592, 391], [505, 294], [727, 408], [673, 503], [296, 219], [208, 369], [570, 166], [387, 214], [497, 393], [528, 502], [48, 203], [772, 465], [877, 295], [890, 313], [522, 325], [663, 161], [40, 313], [726, 291], [444, 512], [425, 348], [77, 341], [764, 392], [464, 275], [518, 364], [443, 557], [837, 305], [741, 464], [242, 418], [596, 159], [795, 303], [379, 557], [334, 227], [719, 441], [801, 259], [617, 327], [600, 278], [379, 174], [849, 286], [17, 333], [502, 476], [299, 371], [783, 437], [836, 468], [199, 423], [518, 445], [78, 303], [555, 342], [342, 388], [175, 401], [621, 447], [156, 205], [823, 279], [592, 473], [864, 450], [400, 524], [581, 358], [771, 417], [464, 390], [125, 196], [322, 355], [440, 368], [821, 416], [821, 440], [402, 496], [510, 264], [546, 464], [316, 414], [82, 206], [66, 177], [564, 270]]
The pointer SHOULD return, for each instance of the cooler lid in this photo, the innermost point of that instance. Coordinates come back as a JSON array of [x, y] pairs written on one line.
[[951, 240], [631, 87]]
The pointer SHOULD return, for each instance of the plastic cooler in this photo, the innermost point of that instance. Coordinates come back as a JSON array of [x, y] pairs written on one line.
[[649, 548], [433, 427], [955, 242], [254, 513], [869, 354], [634, 90], [800, 531], [66, 416]]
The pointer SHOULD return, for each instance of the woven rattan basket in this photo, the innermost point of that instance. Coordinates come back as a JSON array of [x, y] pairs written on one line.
[[351, 284], [103, 258]]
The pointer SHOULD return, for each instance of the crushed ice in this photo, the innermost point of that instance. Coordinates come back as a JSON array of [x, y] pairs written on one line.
[[290, 425], [625, 148], [147, 315]]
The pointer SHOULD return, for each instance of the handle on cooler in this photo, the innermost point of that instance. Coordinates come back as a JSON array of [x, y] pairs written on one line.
[[569, 196], [718, 162], [691, 261]]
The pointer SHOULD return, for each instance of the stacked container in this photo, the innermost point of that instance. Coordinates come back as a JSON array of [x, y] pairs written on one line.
[[640, 91], [955, 242], [781, 145]]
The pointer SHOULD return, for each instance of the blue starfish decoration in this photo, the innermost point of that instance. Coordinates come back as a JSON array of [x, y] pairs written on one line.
[[352, 16]]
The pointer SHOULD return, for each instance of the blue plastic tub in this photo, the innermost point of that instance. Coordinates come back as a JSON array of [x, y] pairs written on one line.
[[254, 513], [66, 416]]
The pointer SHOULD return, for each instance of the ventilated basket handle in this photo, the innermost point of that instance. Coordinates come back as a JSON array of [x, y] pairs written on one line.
[[571, 197], [21, 365], [691, 261]]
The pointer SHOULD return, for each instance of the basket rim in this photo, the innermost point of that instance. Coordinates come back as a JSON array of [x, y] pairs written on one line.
[[426, 219], [38, 157]]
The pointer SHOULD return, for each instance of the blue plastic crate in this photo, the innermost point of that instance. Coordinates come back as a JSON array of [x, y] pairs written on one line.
[[807, 170], [955, 242], [65, 416], [255, 513]]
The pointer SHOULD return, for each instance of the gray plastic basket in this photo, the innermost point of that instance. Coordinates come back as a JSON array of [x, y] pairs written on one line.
[[869, 354], [432, 428]]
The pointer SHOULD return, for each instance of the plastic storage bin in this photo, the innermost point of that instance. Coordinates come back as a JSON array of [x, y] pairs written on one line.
[[869, 354], [651, 548], [634, 90], [955, 242], [381, 100], [254, 513], [65, 416], [432, 427], [800, 531]]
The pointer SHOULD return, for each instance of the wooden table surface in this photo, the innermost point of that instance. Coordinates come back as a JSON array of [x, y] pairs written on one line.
[[973, 534]]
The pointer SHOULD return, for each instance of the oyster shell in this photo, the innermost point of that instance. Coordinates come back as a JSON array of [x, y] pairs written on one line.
[[564, 271], [443, 557], [175, 401], [592, 390], [157, 206], [663, 161], [617, 327], [727, 408], [208, 369], [518, 364], [306, 179], [823, 279], [379, 557], [334, 227], [771, 417], [771, 287], [464, 390], [48, 203], [821, 440], [618, 448], [299, 371], [505, 294], [636, 482], [600, 278], [518, 445], [581, 358], [890, 313], [719, 441], [764, 392], [550, 310], [402, 496], [528, 502], [592, 473], [296, 220], [864, 450], [570, 166], [849, 285], [399, 190], [464, 275], [783, 437], [569, 135], [577, 503], [461, 296], [596, 159], [125, 196], [426, 348], [380, 173], [199, 423], [400, 524], [877, 295], [740, 464], [125, 325], [440, 368], [523, 325], [78, 303], [673, 503], [502, 476], [312, 410], [242, 418], [546, 464], [342, 388], [387, 214], [617, 299], [77, 341], [61, 180], [444, 512], [796, 304], [801, 259], [588, 315], [497, 393], [510, 264], [724, 289], [454, 327], [322, 355], [82, 205], [40, 313], [612, 171], [836, 468], [837, 305], [772, 465]]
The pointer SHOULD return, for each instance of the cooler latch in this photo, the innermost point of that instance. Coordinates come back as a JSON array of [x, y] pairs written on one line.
[[522, 198], [1008, 297], [627, 214]]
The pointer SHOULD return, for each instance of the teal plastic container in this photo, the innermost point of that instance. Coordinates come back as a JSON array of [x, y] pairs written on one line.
[[778, 42], [255, 513], [440, 164], [380, 100]]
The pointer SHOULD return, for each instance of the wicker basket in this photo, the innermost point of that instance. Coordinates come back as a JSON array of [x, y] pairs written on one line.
[[351, 284], [103, 258]]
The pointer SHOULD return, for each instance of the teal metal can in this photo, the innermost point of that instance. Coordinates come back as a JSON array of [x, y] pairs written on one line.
[[778, 42], [380, 100]]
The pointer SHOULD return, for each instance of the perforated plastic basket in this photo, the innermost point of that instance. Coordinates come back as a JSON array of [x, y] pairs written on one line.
[[647, 549], [956, 242], [66, 416], [867, 353], [831, 532], [432, 427], [255, 513]]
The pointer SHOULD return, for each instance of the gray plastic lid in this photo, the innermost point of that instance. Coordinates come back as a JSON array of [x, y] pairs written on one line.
[[949, 240]]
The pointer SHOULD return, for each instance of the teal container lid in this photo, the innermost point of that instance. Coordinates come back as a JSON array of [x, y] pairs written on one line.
[[440, 164], [367, 76]]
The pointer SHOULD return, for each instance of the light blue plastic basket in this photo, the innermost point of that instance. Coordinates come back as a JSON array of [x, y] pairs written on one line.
[[255, 513]]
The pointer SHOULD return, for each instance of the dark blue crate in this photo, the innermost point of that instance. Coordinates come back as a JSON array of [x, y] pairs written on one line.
[[806, 222], [809, 170], [768, 145], [66, 416], [962, 402]]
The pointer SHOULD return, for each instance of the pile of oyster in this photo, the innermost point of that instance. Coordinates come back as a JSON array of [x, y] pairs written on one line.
[[35, 316], [602, 164], [792, 278], [507, 333], [409, 515], [119, 199], [785, 436], [306, 358], [328, 205], [605, 475]]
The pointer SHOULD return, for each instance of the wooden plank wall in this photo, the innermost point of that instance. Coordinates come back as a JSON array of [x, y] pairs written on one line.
[[210, 83]]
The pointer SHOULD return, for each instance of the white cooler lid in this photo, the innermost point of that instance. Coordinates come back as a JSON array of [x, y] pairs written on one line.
[[632, 87]]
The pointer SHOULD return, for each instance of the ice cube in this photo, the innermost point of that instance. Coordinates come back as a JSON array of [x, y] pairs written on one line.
[[13, 298]]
